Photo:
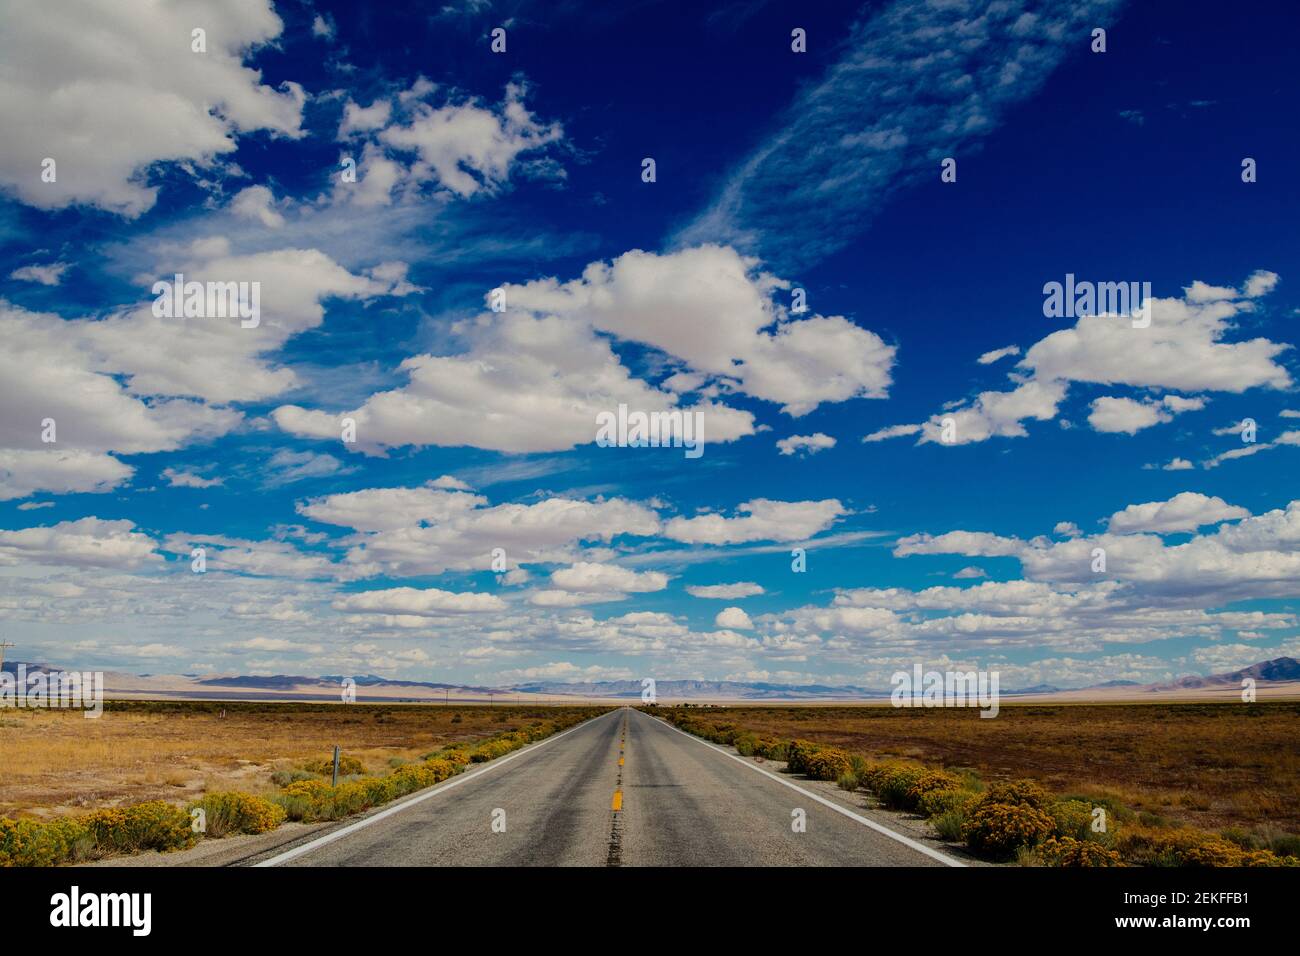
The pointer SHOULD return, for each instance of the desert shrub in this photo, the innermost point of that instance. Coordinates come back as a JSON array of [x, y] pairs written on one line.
[[1183, 846], [938, 802], [931, 781], [282, 778], [999, 829], [153, 825], [441, 769], [34, 843], [770, 748], [828, 764], [238, 813], [456, 718], [1073, 818], [745, 744], [348, 766], [1068, 851], [949, 824], [1283, 844], [797, 753], [1020, 793], [490, 750], [892, 782], [847, 781]]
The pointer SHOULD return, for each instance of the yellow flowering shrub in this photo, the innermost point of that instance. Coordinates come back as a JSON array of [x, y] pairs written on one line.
[[234, 812], [348, 766], [828, 764], [999, 829], [153, 825], [1067, 851], [36, 843]]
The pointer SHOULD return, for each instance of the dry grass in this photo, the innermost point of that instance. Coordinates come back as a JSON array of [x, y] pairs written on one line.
[[56, 762], [1209, 765]]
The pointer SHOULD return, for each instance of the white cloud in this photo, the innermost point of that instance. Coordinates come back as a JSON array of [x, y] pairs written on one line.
[[593, 577], [418, 602], [1291, 438], [725, 592], [763, 520], [364, 119], [50, 274], [735, 619], [1124, 415], [1186, 511], [711, 308], [257, 204], [87, 542], [409, 531], [893, 431], [130, 85], [323, 27], [285, 467], [187, 479], [59, 471], [462, 147], [1183, 349], [988, 358], [808, 444]]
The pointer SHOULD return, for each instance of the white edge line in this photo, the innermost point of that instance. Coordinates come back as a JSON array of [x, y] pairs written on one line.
[[435, 790], [906, 841]]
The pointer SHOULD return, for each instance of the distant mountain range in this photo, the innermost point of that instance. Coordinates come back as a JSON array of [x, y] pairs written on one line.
[[1280, 670], [1274, 673]]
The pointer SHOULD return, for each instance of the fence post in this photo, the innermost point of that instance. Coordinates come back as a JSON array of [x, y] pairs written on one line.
[[334, 782]]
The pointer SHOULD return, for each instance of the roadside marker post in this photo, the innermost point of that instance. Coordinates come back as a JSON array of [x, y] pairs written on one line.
[[334, 781]]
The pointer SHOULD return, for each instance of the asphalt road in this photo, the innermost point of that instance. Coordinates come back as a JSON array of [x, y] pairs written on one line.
[[624, 789]]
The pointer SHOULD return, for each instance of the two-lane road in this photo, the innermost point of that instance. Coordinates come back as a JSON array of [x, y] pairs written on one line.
[[622, 789]]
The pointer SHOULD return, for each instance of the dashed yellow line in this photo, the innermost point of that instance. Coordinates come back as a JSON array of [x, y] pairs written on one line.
[[620, 761], [618, 801]]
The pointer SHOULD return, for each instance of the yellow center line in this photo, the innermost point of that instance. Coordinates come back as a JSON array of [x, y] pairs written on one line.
[[620, 761], [618, 800]]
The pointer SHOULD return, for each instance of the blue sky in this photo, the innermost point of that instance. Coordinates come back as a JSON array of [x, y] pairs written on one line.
[[775, 171]]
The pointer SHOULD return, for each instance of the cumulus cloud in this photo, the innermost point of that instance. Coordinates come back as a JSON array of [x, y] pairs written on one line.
[[87, 542], [1184, 349], [1183, 512], [59, 471], [187, 479], [758, 520], [75, 75], [420, 602], [725, 592], [535, 377], [50, 274], [428, 530], [591, 576], [807, 444], [257, 203], [735, 619]]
